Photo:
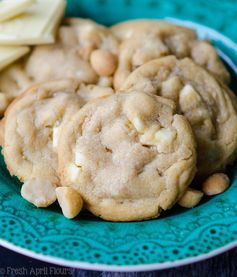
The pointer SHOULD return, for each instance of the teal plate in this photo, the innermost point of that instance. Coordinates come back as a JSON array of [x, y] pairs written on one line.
[[178, 237]]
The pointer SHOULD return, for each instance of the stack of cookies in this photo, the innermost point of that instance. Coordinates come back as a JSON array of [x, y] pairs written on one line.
[[123, 121]]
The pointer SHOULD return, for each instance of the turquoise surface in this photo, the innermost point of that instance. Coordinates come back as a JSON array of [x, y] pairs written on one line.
[[219, 15], [179, 234]]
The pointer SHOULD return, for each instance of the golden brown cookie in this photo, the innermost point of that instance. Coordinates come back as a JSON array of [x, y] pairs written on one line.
[[144, 40], [127, 29], [13, 81], [33, 123], [129, 156], [208, 105], [69, 57]]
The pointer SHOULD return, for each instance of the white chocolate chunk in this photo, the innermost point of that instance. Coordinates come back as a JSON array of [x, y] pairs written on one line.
[[171, 87], [55, 136], [70, 201], [188, 98], [164, 139], [79, 158], [73, 172], [189, 92], [139, 109], [36, 23], [148, 138], [49, 33], [138, 124], [39, 192], [165, 135], [12, 8]]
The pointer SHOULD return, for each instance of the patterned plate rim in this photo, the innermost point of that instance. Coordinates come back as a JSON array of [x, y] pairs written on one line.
[[114, 268]]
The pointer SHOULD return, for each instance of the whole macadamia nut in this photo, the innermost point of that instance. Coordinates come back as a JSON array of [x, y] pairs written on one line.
[[215, 184], [190, 198], [103, 62]]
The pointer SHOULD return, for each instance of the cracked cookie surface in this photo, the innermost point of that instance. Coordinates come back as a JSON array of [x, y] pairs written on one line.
[[144, 40], [32, 125], [209, 106], [128, 155]]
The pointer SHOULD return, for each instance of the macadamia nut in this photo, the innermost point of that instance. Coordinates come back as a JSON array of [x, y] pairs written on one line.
[[103, 62], [190, 198], [39, 192], [215, 184]]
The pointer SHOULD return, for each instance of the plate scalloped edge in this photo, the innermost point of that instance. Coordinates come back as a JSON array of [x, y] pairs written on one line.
[[104, 267]]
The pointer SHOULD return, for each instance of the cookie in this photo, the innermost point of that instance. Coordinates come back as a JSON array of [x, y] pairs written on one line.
[[70, 57], [32, 125], [209, 106], [144, 40], [13, 81], [127, 29], [129, 156]]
